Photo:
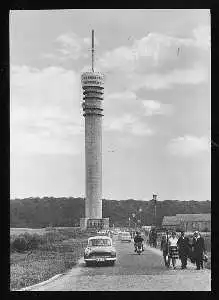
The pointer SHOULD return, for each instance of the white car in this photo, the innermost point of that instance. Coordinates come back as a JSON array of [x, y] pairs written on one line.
[[120, 233], [126, 237], [100, 249]]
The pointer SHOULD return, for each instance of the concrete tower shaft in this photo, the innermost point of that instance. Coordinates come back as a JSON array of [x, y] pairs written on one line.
[[93, 85]]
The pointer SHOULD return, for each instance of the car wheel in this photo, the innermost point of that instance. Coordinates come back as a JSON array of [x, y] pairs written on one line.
[[112, 263]]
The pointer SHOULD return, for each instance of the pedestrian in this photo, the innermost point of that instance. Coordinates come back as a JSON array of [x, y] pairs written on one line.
[[183, 248], [198, 246], [155, 239], [173, 249], [164, 247], [150, 238]]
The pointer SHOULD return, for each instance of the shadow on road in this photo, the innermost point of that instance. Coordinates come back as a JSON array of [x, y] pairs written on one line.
[[135, 254], [83, 265]]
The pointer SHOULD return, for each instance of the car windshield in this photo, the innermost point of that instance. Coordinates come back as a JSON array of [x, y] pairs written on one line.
[[99, 242]]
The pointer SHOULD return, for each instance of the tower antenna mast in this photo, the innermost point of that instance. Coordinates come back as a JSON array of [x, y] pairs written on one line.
[[92, 50]]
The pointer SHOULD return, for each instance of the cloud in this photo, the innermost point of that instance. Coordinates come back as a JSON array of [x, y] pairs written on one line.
[[45, 110], [121, 58], [188, 145], [87, 41], [154, 81], [155, 48], [23, 143], [125, 112], [120, 123], [153, 107], [71, 46], [202, 36], [155, 61], [141, 129], [120, 104], [158, 61], [128, 123]]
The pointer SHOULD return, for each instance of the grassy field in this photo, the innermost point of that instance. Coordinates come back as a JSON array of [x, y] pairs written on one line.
[[59, 251], [17, 231]]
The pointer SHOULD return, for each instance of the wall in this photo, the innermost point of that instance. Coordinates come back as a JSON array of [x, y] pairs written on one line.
[[196, 225]]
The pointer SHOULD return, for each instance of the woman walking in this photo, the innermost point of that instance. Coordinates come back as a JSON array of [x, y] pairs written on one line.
[[173, 249]]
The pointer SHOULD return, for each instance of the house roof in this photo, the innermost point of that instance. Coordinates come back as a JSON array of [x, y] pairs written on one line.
[[194, 217], [175, 220], [170, 220]]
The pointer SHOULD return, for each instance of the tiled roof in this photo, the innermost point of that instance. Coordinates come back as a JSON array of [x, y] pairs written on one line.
[[170, 220], [194, 217], [175, 220]]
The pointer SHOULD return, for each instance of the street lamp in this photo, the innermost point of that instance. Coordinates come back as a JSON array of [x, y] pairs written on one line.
[[140, 210], [155, 209], [133, 216], [139, 221]]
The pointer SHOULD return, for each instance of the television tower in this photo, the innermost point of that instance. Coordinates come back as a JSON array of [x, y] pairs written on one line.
[[93, 91]]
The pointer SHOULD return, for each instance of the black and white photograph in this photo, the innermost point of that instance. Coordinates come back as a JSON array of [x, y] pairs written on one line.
[[110, 149]]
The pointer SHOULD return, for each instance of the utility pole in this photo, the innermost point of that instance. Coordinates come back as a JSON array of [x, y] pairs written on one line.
[[140, 210], [133, 216], [92, 51], [155, 209]]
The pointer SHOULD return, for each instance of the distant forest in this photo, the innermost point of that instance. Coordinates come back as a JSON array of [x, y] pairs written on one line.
[[49, 211]]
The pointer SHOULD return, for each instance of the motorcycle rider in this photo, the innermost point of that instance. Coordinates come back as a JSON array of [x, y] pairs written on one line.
[[138, 239]]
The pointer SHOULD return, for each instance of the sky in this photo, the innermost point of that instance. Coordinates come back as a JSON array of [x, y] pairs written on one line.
[[156, 124]]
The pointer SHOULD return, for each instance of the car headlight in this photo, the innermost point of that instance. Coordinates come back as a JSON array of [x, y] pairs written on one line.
[[113, 253]]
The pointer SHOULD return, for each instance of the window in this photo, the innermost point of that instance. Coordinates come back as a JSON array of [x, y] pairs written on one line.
[[126, 234], [100, 242]]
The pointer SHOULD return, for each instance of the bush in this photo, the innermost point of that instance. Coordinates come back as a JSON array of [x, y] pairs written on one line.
[[26, 241], [19, 244], [205, 229], [34, 241]]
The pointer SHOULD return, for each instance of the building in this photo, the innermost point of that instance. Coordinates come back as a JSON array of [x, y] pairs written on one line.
[[93, 91], [171, 223], [188, 222], [192, 222]]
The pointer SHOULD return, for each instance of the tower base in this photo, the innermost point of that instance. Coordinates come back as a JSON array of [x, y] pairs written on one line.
[[95, 224]]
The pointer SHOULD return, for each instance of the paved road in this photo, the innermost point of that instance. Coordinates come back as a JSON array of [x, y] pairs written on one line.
[[144, 272]]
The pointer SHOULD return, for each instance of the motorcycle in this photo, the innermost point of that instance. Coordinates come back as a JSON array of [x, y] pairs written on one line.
[[139, 248]]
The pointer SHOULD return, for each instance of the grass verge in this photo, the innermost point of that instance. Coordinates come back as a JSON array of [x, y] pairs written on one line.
[[50, 258]]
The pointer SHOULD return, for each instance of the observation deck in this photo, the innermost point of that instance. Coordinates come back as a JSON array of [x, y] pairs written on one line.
[[93, 91]]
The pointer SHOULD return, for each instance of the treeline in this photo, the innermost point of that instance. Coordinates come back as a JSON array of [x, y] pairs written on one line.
[[50, 211]]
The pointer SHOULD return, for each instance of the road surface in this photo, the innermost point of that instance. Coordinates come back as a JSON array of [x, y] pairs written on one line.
[[145, 272]]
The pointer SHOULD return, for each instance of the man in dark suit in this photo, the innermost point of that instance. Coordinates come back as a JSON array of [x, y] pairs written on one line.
[[183, 248], [198, 245], [164, 248]]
